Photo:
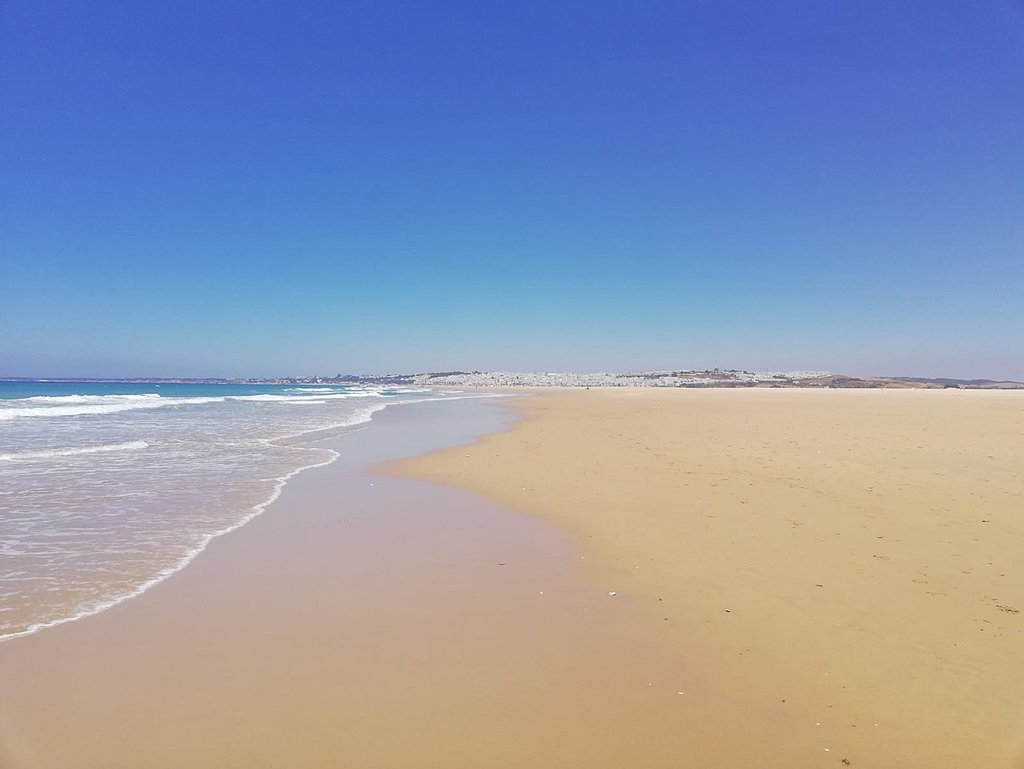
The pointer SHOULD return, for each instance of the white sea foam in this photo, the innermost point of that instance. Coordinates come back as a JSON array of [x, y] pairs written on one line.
[[105, 602], [321, 397], [270, 398], [310, 390], [80, 405], [354, 394], [164, 504], [70, 452], [64, 399]]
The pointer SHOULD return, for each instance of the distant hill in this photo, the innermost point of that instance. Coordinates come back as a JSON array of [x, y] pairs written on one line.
[[970, 384], [726, 378]]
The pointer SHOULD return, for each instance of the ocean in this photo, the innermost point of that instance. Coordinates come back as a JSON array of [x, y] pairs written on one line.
[[108, 488]]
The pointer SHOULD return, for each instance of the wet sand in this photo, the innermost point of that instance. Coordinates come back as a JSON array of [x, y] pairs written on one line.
[[846, 566], [362, 621]]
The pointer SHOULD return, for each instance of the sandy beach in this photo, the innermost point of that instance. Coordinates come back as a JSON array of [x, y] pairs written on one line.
[[845, 565], [502, 385], [773, 578], [362, 621]]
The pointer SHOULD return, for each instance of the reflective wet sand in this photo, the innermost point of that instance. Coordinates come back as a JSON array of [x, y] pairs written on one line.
[[363, 621]]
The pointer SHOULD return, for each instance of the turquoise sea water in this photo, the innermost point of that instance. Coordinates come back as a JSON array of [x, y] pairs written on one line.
[[106, 488]]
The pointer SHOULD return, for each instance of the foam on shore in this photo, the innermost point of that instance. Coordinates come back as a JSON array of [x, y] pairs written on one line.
[[363, 620]]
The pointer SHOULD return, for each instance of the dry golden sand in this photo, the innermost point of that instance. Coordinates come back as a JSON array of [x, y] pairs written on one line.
[[847, 567]]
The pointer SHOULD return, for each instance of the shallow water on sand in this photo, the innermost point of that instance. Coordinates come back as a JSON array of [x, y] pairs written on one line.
[[105, 489]]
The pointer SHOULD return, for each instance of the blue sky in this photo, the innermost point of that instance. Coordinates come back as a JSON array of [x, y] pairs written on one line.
[[261, 188]]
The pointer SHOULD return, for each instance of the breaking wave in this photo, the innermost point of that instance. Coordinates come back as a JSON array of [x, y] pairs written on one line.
[[70, 452]]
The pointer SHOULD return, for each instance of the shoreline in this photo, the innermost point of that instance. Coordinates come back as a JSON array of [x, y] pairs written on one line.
[[183, 563], [308, 440], [362, 620], [452, 590]]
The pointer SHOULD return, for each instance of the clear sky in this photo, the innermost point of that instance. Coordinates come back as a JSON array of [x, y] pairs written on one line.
[[258, 188]]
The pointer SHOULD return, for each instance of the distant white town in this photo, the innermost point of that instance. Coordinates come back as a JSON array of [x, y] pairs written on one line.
[[688, 378], [676, 378]]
